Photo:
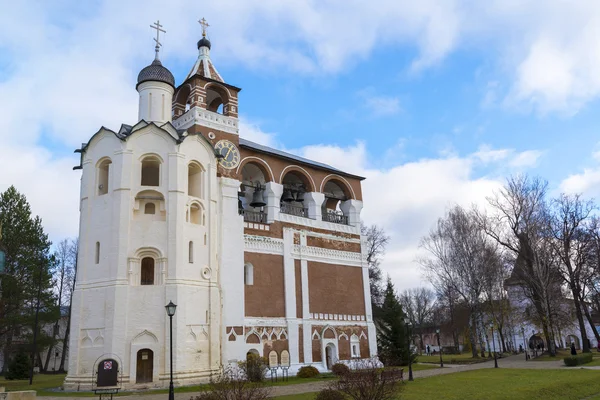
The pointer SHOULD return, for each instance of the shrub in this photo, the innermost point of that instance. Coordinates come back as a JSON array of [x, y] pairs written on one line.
[[330, 394], [579, 359], [18, 367], [233, 384], [369, 382], [255, 367], [307, 372], [340, 369]]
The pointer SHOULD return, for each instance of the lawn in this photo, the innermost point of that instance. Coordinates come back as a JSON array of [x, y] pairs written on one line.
[[560, 354], [45, 385], [492, 384], [464, 358]]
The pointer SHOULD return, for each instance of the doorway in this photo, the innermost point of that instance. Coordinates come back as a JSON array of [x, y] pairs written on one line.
[[330, 355], [145, 366]]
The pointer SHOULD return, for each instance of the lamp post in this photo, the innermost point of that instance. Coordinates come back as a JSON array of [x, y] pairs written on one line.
[[170, 312], [439, 347], [410, 374], [494, 344], [525, 344]]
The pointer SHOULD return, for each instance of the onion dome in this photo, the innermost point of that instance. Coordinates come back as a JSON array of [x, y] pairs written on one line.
[[204, 42], [157, 73]]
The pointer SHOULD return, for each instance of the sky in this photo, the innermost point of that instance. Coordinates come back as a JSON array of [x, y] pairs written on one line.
[[435, 102]]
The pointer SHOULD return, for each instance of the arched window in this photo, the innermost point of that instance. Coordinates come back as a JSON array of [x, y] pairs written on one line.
[[355, 345], [147, 275], [150, 171], [195, 180], [196, 213], [150, 208], [97, 256], [191, 252], [103, 175], [248, 274]]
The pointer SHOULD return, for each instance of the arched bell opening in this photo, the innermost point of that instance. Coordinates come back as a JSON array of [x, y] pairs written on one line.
[[217, 99], [252, 195], [295, 185], [335, 193], [182, 101]]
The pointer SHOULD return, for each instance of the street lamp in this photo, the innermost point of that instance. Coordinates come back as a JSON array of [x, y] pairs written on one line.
[[525, 344], [407, 323], [170, 312], [440, 348], [494, 344]]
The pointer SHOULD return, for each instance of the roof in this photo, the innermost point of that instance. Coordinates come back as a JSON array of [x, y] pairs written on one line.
[[156, 72], [203, 65], [269, 150]]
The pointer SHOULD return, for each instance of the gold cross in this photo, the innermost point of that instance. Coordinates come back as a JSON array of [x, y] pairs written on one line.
[[204, 26]]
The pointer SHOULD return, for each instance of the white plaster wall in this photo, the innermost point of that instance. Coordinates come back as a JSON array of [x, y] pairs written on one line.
[[156, 99], [112, 313]]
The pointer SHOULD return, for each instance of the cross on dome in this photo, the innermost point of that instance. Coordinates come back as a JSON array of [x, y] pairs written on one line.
[[204, 25], [158, 27]]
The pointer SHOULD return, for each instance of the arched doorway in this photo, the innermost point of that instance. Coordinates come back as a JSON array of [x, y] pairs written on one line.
[[330, 355], [145, 366], [573, 339], [535, 341], [252, 352]]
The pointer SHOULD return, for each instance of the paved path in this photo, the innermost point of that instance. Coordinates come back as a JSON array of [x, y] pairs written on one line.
[[517, 361]]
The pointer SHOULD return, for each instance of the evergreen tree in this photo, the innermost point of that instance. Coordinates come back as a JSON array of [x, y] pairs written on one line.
[[391, 329], [19, 367], [28, 277]]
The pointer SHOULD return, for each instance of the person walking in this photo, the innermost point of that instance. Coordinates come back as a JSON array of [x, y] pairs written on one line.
[[428, 350], [573, 351]]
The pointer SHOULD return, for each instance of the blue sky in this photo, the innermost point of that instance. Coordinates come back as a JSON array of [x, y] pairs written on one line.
[[435, 103]]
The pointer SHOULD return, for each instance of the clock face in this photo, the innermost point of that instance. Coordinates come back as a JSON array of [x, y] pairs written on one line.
[[230, 153]]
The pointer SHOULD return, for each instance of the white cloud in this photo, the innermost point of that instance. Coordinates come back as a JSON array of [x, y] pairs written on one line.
[[251, 131], [383, 105], [526, 159]]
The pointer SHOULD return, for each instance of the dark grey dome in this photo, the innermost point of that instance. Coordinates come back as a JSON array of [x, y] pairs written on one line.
[[204, 42], [156, 72]]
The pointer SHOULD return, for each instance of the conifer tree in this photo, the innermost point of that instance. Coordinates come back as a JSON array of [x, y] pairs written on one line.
[[392, 331], [27, 273]]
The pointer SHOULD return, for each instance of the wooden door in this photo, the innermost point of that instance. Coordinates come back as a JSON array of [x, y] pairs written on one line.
[[145, 365]]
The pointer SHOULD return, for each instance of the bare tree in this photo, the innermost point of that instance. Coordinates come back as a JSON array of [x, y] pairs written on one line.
[[459, 256], [572, 242], [73, 251], [376, 242], [517, 223], [418, 304]]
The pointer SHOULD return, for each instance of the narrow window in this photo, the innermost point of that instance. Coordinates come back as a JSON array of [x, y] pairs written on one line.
[[150, 208], [191, 252], [147, 275], [97, 252], [205, 239], [103, 174], [248, 274], [150, 172], [195, 180], [163, 107]]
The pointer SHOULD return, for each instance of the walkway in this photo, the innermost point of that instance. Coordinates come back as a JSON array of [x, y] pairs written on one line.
[[517, 361]]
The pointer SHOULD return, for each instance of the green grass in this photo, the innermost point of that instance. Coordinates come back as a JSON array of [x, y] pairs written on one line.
[[560, 354], [495, 384], [45, 385], [464, 358], [39, 382]]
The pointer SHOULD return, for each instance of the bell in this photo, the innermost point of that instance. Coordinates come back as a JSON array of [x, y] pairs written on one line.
[[287, 196], [257, 199], [300, 197]]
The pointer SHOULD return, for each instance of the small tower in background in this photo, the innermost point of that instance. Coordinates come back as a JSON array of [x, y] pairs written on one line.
[[156, 86]]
